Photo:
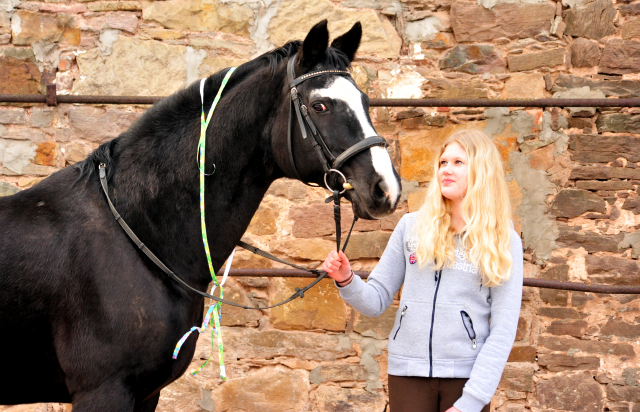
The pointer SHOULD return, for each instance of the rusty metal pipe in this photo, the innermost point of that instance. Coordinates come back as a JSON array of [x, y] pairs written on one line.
[[536, 283], [631, 102]]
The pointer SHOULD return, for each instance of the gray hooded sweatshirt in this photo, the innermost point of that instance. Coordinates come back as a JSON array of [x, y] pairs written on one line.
[[448, 325]]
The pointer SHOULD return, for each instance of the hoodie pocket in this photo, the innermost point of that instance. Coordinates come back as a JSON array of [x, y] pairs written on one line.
[[468, 325], [409, 337]]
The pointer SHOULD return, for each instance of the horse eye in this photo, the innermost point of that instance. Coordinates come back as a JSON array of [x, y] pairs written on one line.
[[319, 107]]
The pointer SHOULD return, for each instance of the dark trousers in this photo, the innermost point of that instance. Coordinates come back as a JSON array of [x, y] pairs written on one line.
[[418, 394]]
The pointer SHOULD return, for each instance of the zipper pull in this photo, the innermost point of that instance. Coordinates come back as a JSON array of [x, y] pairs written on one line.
[[436, 277], [404, 310], [473, 344]]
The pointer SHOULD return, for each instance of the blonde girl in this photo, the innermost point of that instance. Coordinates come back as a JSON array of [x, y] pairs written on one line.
[[460, 262]]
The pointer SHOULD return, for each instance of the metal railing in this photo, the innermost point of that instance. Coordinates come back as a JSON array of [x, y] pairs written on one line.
[[53, 99], [536, 283]]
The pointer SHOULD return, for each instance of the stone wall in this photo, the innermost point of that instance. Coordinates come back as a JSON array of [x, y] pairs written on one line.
[[573, 175]]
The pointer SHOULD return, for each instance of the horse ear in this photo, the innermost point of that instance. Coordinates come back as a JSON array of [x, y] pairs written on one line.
[[349, 42], [315, 45]]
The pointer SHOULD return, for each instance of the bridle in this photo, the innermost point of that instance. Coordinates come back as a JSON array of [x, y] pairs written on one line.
[[330, 164]]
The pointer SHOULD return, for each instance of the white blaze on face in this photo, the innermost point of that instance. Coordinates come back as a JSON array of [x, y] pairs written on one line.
[[345, 91]]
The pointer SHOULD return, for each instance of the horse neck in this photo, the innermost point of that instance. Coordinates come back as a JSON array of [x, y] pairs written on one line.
[[160, 196]]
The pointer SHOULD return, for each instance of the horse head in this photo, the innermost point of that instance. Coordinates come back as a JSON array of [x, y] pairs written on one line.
[[329, 116]]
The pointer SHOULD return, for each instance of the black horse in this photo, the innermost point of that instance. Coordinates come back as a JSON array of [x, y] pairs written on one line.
[[85, 317]]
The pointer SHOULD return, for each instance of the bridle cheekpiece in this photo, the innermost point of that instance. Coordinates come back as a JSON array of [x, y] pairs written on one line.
[[330, 163]]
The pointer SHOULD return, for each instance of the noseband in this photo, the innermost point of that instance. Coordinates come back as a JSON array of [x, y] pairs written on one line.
[[330, 163]]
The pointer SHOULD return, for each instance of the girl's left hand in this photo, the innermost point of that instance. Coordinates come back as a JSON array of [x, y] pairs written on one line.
[[452, 409]]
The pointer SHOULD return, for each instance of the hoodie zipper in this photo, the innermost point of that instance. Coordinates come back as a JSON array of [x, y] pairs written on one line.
[[468, 325], [433, 316], [404, 311]]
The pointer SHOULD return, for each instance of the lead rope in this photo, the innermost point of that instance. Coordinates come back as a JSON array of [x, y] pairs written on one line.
[[215, 307]]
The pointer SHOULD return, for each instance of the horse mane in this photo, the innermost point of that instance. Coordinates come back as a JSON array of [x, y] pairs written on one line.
[[173, 106]]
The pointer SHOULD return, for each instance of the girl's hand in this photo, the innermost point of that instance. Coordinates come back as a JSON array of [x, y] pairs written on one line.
[[337, 266], [452, 409]]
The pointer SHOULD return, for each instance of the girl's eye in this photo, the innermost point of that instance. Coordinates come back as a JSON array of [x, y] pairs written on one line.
[[319, 107]]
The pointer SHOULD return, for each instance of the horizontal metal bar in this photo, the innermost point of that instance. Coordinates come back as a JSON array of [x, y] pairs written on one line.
[[36, 98], [536, 283]]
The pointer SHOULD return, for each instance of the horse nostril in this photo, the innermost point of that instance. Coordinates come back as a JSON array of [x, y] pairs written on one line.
[[384, 186]]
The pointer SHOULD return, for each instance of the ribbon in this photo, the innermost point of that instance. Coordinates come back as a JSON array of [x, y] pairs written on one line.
[[213, 314]]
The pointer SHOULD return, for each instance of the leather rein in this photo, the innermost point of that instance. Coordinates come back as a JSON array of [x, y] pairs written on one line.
[[330, 164]]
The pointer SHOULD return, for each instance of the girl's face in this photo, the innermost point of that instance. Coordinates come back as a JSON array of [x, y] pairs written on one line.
[[452, 173]]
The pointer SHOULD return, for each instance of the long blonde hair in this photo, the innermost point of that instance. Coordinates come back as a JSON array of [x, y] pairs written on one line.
[[486, 209]]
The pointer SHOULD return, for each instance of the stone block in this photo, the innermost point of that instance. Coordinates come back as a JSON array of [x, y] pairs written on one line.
[[523, 329], [576, 328], [543, 158], [234, 316], [561, 362], [554, 297], [288, 188], [593, 21], [11, 115], [440, 41], [618, 123], [611, 185], [631, 29], [472, 22], [588, 346], [623, 393], [287, 389], [592, 242], [338, 373], [517, 377], [41, 117], [632, 204], [610, 87], [424, 121], [162, 34], [559, 313], [317, 220], [115, 6], [19, 76], [252, 343], [321, 308], [584, 53], [629, 9], [524, 86], [48, 154], [579, 392], [17, 155], [122, 20], [473, 59], [130, 60], [619, 328], [391, 221], [604, 149], [580, 298], [379, 327], [29, 28], [367, 244], [631, 240], [7, 189], [604, 173], [536, 60], [572, 203], [620, 57], [309, 249], [559, 273], [455, 88], [522, 354], [263, 222], [98, 125], [332, 399], [613, 270], [378, 37], [198, 15]]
